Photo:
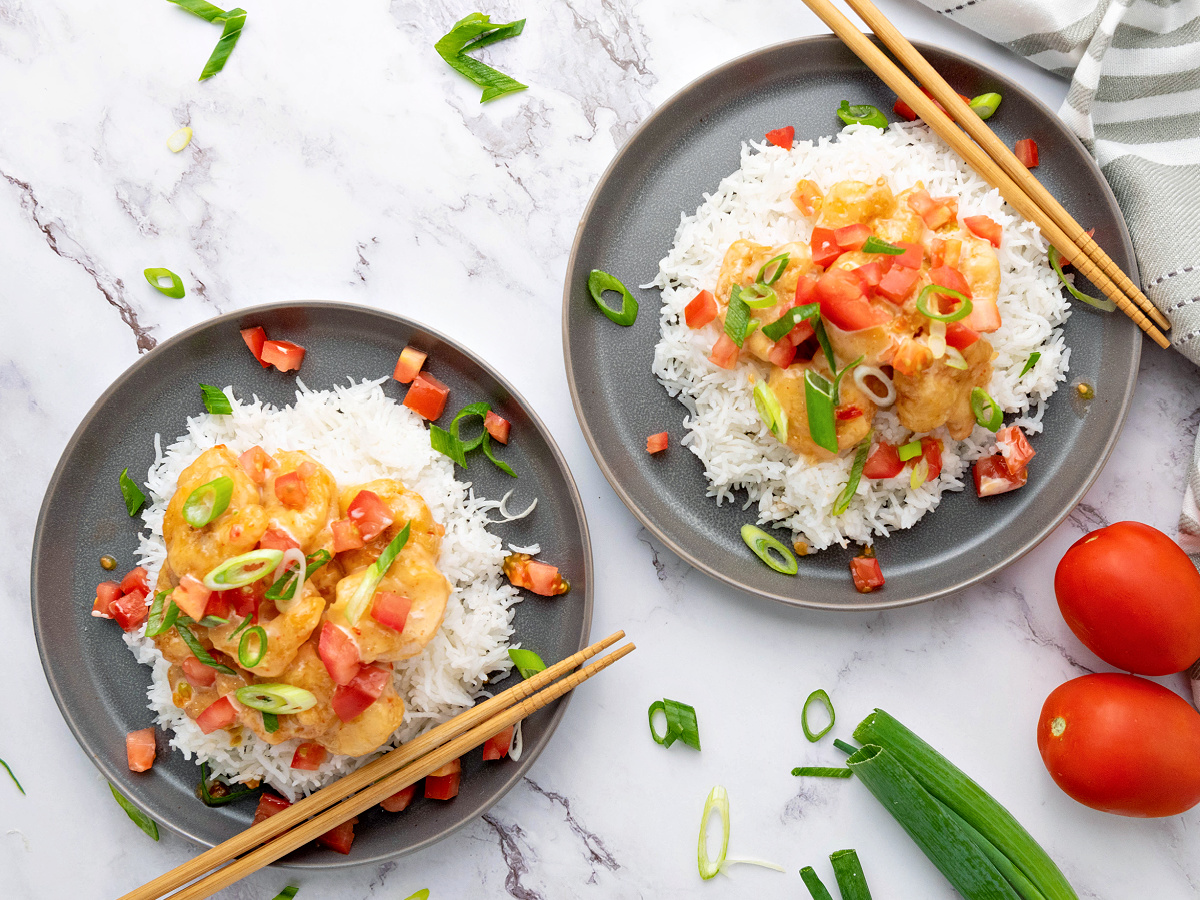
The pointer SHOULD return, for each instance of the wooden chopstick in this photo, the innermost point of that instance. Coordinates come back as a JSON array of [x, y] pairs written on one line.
[[484, 718], [975, 156]]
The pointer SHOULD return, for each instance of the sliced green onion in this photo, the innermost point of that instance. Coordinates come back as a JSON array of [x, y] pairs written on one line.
[[527, 662], [985, 104], [790, 319], [878, 245], [134, 498], [366, 588], [245, 658], [208, 501], [200, 8], [198, 650], [140, 819], [498, 463], [282, 588], [422, 894], [666, 739], [955, 359], [1056, 262], [718, 799], [235, 19], [444, 442], [960, 312], [159, 620], [823, 340], [920, 472], [820, 403], [844, 746], [911, 450], [681, 723], [270, 722], [12, 776], [772, 413], [737, 317], [937, 339], [856, 469], [598, 283], [291, 890], [480, 409], [822, 772], [215, 400], [852, 883], [816, 889], [1031, 362], [782, 259], [861, 114], [837, 381], [212, 621], [758, 296], [763, 544], [471, 33], [174, 289], [246, 621], [222, 794], [817, 696], [987, 411], [279, 699], [179, 139], [243, 570]]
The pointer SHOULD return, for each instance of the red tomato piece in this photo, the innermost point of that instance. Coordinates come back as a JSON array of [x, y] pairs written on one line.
[[198, 675], [992, 476], [846, 413], [866, 574], [427, 396], [346, 535], [349, 700], [291, 490], [370, 514], [898, 283], [308, 756], [1015, 449], [801, 333], [960, 336], [948, 277], [139, 749], [782, 137], [256, 462], [870, 275], [883, 462], [825, 249], [339, 653], [701, 310], [911, 357], [135, 580], [904, 111], [442, 784], [277, 539], [129, 610], [106, 593], [935, 212], [400, 800], [782, 354], [219, 605], [806, 290], [843, 304], [268, 805], [496, 747], [985, 227], [497, 426], [191, 596], [391, 609], [657, 443], [724, 352], [283, 355], [1027, 152], [255, 338], [985, 316], [808, 197], [245, 600], [542, 578], [851, 237], [218, 715], [341, 838], [409, 364], [912, 256], [931, 452]]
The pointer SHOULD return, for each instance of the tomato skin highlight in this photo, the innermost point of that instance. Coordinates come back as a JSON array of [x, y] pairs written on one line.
[[1125, 745], [1148, 625]]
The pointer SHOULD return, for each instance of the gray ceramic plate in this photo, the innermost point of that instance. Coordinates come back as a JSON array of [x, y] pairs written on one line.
[[99, 687], [685, 149]]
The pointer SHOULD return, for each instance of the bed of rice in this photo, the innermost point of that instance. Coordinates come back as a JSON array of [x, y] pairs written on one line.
[[724, 429], [359, 434]]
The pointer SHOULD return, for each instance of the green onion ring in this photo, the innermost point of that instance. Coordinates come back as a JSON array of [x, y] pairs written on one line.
[[366, 588], [480, 409], [174, 290], [955, 359], [856, 469], [159, 620], [198, 650], [1056, 263], [498, 463], [773, 414], [681, 723], [718, 799], [243, 570], [598, 283], [782, 259], [667, 738], [207, 796], [759, 296], [961, 312], [244, 658], [821, 772], [987, 411], [527, 662], [911, 450], [985, 104], [878, 245], [280, 589], [208, 501], [837, 380], [818, 696], [762, 543], [279, 699], [861, 114], [820, 403]]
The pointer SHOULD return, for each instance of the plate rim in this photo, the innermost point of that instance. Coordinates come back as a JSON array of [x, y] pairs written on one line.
[[112, 772], [1038, 535]]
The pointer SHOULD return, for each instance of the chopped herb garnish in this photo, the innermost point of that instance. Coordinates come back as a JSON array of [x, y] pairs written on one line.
[[474, 32], [174, 289], [208, 501], [12, 776], [139, 818], [822, 772], [818, 696], [248, 658], [782, 260], [159, 620], [681, 723], [1031, 362], [960, 312], [527, 662], [878, 245], [987, 411], [809, 312], [498, 463], [282, 587], [134, 498], [737, 317], [218, 793], [820, 400], [215, 400], [365, 593]]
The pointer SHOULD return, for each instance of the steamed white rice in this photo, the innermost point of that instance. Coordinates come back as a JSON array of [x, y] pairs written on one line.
[[724, 429], [359, 434]]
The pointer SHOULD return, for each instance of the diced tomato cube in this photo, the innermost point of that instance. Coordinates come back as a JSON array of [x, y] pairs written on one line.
[[277, 539], [825, 249], [724, 352], [985, 227], [191, 596], [911, 357], [391, 609], [427, 396], [341, 838], [701, 310], [106, 593], [400, 800], [283, 355], [198, 675], [442, 784], [1014, 448], [219, 605], [497, 426], [218, 715], [993, 477], [904, 111], [846, 413], [931, 452], [349, 700], [960, 336], [308, 756], [268, 805], [985, 316], [883, 462], [806, 290], [346, 535], [256, 462], [409, 364], [139, 749], [1027, 152], [851, 237], [135, 580], [843, 303], [808, 197], [245, 600], [947, 277], [339, 653], [898, 283], [129, 610], [496, 747], [935, 212], [657, 443], [782, 137], [783, 354], [866, 573], [255, 338], [370, 514], [291, 490], [912, 256], [542, 578], [869, 275]]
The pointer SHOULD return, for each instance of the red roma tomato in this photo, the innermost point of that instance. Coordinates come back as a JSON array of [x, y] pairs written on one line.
[[984, 227], [1122, 744], [339, 653], [1148, 625], [291, 490], [370, 514], [255, 338], [1027, 152], [724, 352], [427, 396], [782, 137], [218, 715], [657, 443], [400, 800], [308, 756], [391, 609], [497, 426], [198, 675], [340, 838], [442, 784], [496, 747], [522, 570], [409, 364], [255, 462], [130, 610], [135, 580], [283, 355], [884, 462], [106, 593], [866, 574], [993, 477], [346, 535], [701, 310]]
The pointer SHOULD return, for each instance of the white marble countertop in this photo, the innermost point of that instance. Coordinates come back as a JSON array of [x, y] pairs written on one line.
[[337, 157]]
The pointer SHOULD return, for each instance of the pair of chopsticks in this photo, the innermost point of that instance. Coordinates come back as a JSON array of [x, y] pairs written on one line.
[[359, 791], [988, 156]]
